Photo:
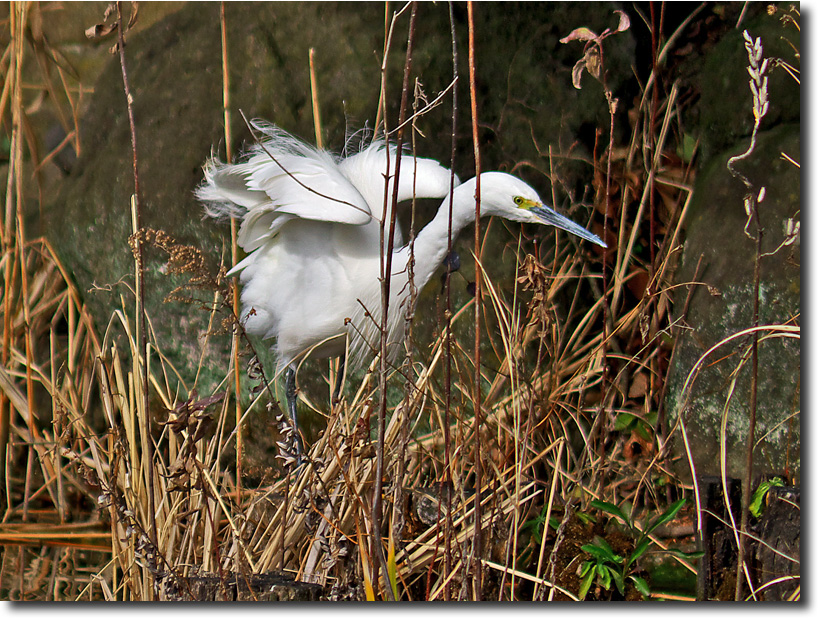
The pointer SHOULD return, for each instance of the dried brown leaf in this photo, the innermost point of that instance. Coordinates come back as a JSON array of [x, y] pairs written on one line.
[[579, 34], [99, 31], [132, 20], [639, 386], [592, 59], [577, 72], [625, 22]]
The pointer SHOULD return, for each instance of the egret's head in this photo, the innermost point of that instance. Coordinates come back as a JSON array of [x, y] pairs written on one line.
[[505, 196]]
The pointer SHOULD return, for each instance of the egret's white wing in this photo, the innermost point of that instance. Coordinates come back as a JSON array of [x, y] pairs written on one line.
[[282, 179], [283, 176], [309, 186], [419, 177]]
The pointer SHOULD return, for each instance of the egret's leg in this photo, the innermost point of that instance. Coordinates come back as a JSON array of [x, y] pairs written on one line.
[[290, 392], [290, 395], [339, 378]]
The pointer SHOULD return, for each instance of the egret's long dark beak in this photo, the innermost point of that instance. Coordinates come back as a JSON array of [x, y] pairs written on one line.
[[552, 218]]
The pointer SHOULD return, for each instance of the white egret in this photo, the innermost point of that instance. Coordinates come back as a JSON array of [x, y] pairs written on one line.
[[311, 230]]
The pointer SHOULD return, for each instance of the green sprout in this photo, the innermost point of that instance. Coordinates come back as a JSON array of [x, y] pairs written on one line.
[[606, 567]]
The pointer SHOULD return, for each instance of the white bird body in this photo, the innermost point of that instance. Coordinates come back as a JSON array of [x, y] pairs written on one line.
[[311, 228], [312, 234]]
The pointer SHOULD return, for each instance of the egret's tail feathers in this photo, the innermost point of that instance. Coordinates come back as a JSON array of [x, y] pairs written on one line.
[[224, 191]]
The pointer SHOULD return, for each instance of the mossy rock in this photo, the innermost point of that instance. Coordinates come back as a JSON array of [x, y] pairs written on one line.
[[715, 232]]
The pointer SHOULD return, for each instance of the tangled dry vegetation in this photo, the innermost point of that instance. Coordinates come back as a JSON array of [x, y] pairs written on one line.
[[110, 495]]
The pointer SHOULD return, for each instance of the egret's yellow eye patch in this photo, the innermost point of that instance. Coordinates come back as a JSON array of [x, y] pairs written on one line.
[[524, 203]]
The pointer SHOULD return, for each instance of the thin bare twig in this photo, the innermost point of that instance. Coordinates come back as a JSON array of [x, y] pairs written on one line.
[[234, 251], [387, 246], [448, 325], [140, 276], [759, 89], [476, 398]]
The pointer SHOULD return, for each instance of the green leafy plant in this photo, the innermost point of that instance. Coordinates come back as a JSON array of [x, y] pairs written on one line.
[[536, 524], [606, 567], [628, 422], [761, 492]]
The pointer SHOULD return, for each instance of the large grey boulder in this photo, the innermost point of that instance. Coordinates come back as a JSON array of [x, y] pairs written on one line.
[[715, 234], [722, 119]]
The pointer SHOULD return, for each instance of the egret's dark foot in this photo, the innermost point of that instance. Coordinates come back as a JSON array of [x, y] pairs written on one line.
[[339, 380], [290, 395]]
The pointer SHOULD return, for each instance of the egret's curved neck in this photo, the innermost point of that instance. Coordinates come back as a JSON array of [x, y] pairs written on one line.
[[431, 244]]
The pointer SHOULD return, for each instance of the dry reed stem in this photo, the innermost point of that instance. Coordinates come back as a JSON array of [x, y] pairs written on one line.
[[477, 395]]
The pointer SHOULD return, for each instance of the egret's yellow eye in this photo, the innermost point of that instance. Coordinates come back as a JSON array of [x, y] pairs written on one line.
[[518, 200]]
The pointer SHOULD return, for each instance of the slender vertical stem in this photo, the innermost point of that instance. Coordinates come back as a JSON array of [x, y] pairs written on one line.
[[58, 428], [375, 513], [17, 155], [234, 250], [8, 239], [387, 245], [381, 111], [448, 328], [315, 100], [656, 32], [142, 337], [757, 69], [606, 309], [335, 366], [478, 291], [749, 453], [283, 525]]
